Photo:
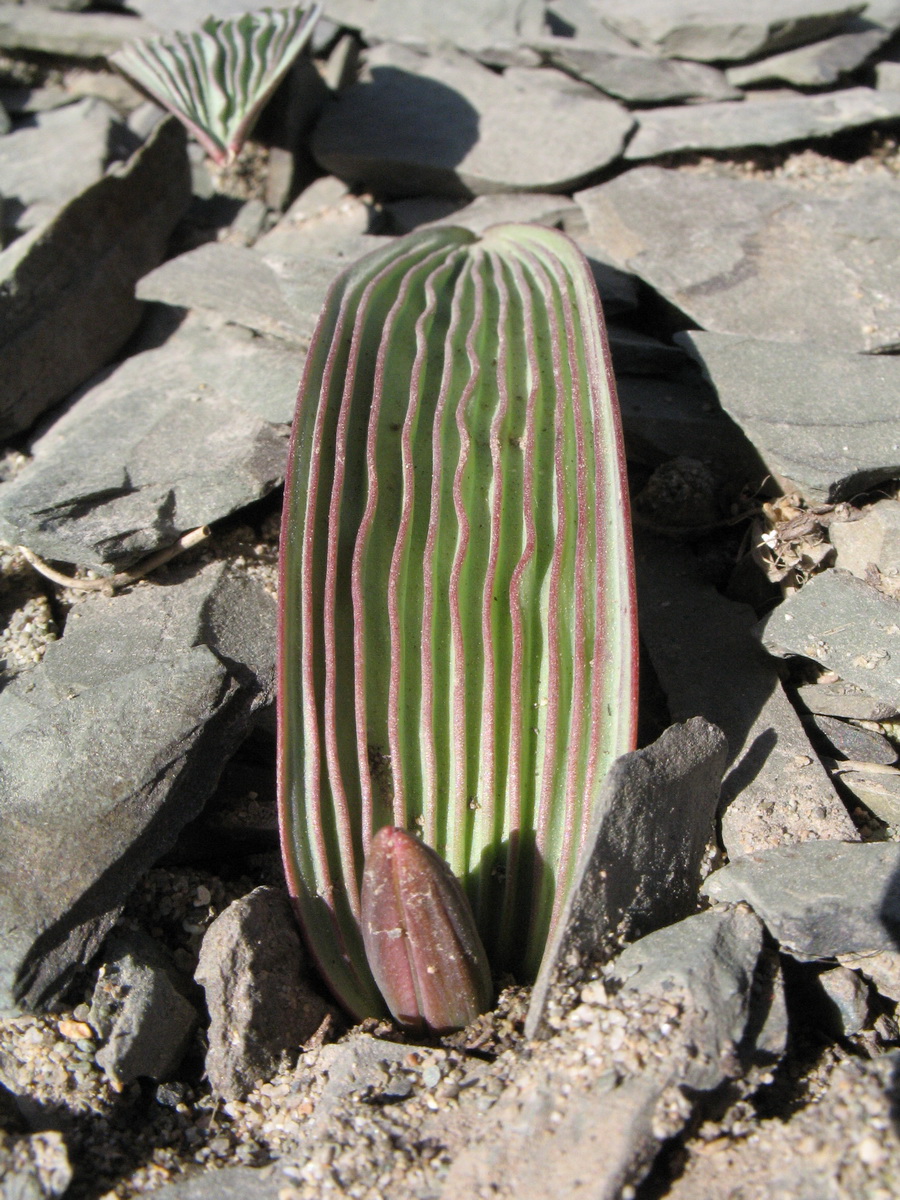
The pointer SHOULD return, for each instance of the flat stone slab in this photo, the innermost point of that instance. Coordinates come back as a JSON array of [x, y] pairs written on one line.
[[585, 20], [276, 289], [447, 126], [846, 625], [843, 700], [234, 282], [651, 825], [851, 742], [109, 747], [821, 64], [743, 256], [639, 78], [37, 28], [32, 170], [171, 439], [820, 899], [325, 221], [67, 302], [468, 24], [825, 423], [878, 790], [711, 32], [775, 790], [774, 121]]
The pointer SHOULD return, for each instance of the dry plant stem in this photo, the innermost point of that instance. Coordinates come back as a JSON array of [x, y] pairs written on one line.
[[109, 583]]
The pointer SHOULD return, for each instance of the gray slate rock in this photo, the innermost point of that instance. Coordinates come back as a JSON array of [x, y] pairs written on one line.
[[277, 289], [109, 748], [847, 998], [743, 256], [469, 24], [232, 281], [873, 539], [638, 78], [712, 958], [846, 625], [171, 439], [326, 220], [770, 121], [839, 432], [863, 745], [711, 32], [447, 126], [67, 300], [584, 20], [147, 1019], [35, 1167], [529, 207], [168, 15], [253, 969], [73, 35], [820, 899], [35, 173], [640, 868], [821, 64], [776, 790], [879, 791], [844, 700]]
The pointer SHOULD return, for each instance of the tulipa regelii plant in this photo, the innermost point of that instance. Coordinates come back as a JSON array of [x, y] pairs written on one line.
[[218, 78], [457, 624]]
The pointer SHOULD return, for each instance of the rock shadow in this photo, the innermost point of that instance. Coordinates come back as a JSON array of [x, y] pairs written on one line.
[[398, 134]]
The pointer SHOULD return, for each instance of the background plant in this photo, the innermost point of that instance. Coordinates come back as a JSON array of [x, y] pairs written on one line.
[[218, 78], [457, 630]]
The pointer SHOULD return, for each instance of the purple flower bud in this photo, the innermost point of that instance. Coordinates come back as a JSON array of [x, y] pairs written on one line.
[[420, 937]]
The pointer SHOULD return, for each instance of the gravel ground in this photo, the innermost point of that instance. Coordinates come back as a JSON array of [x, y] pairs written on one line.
[[126, 1142]]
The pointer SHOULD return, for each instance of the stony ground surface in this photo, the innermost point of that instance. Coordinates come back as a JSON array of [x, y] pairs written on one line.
[[740, 212]]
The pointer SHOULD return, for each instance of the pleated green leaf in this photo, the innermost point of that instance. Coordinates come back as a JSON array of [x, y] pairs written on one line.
[[457, 627], [217, 79]]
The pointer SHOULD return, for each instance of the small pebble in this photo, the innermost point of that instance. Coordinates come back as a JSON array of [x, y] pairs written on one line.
[[871, 1152], [75, 1030]]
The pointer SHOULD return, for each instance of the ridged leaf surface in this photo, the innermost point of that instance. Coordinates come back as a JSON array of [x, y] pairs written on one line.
[[457, 610], [216, 79]]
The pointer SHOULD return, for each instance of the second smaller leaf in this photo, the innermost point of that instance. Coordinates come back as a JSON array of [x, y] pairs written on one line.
[[217, 79]]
